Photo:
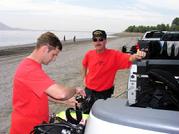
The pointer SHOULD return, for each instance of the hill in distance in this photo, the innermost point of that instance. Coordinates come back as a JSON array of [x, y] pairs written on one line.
[[6, 27]]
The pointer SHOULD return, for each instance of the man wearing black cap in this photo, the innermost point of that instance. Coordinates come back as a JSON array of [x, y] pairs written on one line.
[[101, 64]]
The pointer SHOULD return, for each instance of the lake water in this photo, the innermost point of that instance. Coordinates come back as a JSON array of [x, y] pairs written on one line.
[[12, 38]]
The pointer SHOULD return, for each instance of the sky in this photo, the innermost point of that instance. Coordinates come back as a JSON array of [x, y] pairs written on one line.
[[87, 15]]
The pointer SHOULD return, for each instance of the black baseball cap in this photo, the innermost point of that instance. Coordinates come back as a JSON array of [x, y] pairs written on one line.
[[99, 33]]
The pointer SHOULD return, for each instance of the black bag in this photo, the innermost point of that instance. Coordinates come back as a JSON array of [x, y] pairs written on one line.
[[58, 125]]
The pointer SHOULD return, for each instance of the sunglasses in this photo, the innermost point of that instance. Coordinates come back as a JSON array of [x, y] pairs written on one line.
[[100, 39]]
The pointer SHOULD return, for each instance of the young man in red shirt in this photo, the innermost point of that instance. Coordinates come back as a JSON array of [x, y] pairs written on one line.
[[101, 64], [32, 87]]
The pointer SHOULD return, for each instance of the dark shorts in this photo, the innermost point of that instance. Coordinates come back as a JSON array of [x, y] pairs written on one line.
[[100, 95], [92, 96]]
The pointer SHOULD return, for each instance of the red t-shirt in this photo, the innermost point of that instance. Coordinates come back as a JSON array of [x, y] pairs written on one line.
[[102, 67], [30, 102]]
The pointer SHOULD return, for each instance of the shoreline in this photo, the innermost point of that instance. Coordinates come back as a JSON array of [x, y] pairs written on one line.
[[26, 48]]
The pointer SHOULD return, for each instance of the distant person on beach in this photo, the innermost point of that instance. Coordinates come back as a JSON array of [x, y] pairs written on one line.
[[99, 66], [32, 87], [74, 39], [64, 38]]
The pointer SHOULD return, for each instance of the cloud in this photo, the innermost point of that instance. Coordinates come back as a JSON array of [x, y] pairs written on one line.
[[48, 12], [160, 4], [58, 8]]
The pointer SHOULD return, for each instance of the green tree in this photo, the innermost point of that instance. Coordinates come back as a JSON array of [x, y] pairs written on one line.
[[161, 27], [175, 21], [130, 29], [175, 24], [167, 27]]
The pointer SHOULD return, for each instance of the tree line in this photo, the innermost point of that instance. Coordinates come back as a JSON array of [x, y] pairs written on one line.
[[161, 27]]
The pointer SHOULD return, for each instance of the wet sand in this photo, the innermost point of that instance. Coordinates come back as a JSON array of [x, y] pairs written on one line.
[[65, 70]]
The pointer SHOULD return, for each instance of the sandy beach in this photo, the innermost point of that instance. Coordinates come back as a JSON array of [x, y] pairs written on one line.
[[65, 70]]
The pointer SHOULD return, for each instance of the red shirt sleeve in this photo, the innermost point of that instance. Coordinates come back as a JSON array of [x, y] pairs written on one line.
[[122, 61], [38, 81]]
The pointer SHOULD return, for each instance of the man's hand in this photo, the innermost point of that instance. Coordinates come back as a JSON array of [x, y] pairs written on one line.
[[80, 91], [71, 102], [138, 56]]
